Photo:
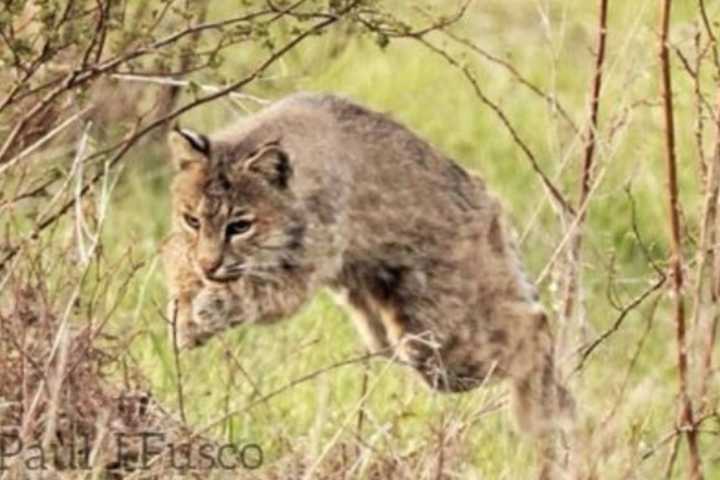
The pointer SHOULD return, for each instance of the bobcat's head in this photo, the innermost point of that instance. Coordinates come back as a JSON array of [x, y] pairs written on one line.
[[234, 204]]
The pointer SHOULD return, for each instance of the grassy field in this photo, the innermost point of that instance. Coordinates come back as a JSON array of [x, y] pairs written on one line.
[[626, 391], [551, 44]]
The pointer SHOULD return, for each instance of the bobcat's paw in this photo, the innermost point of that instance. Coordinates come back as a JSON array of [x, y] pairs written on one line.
[[211, 310]]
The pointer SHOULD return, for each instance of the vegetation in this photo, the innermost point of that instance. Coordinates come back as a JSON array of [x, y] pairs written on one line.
[[89, 88]]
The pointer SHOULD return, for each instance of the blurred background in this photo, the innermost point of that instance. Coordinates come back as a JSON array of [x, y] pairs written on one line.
[[89, 88]]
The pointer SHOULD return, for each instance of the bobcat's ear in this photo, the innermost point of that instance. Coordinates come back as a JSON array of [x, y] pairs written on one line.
[[188, 147], [272, 163]]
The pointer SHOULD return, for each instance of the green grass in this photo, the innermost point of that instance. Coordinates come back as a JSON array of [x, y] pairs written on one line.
[[421, 90]]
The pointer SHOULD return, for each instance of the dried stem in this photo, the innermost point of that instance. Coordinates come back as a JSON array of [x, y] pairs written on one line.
[[572, 286], [178, 366], [361, 407], [553, 190], [551, 100], [676, 262], [709, 30], [124, 146], [706, 288]]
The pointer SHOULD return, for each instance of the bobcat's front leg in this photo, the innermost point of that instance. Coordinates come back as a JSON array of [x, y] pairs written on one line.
[[199, 313], [220, 306], [215, 309]]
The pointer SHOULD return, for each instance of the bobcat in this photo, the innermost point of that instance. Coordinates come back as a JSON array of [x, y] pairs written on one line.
[[317, 191]]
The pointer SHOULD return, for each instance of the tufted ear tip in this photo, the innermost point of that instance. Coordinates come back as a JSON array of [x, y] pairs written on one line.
[[187, 147]]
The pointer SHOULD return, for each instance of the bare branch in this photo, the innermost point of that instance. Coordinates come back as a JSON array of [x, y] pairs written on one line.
[[571, 296], [676, 262], [554, 191]]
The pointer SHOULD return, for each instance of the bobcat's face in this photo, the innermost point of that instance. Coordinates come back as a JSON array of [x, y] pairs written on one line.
[[235, 208]]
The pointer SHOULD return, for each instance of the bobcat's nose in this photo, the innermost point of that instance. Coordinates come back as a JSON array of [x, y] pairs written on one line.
[[209, 265]]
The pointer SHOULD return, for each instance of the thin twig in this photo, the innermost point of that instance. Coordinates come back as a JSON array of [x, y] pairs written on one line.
[[554, 191], [45, 138], [570, 230], [710, 33], [551, 100], [706, 280], [135, 137], [169, 81], [672, 457], [361, 406], [587, 350], [573, 279], [676, 262], [278, 391], [176, 357]]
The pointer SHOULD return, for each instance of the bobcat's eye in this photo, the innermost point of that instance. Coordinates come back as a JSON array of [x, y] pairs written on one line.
[[238, 227], [192, 222]]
